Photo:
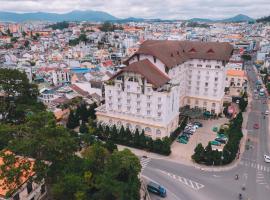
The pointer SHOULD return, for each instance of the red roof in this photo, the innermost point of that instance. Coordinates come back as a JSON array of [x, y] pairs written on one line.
[[147, 70]]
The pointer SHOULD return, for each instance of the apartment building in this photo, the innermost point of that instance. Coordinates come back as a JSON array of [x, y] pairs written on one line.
[[188, 73]]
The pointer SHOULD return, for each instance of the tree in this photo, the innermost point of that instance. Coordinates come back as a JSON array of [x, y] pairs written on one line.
[[96, 155], [26, 44], [208, 154], [73, 120], [198, 155], [107, 27], [120, 177], [20, 96], [83, 128], [6, 134], [42, 139]]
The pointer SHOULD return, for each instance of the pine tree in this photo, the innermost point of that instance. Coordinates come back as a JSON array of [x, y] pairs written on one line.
[[73, 120]]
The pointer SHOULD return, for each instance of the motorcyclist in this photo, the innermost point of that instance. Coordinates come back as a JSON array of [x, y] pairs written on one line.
[[236, 177]]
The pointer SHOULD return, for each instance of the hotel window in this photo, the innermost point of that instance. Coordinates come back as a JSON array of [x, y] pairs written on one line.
[[213, 105], [110, 91], [191, 65], [16, 197], [217, 67], [128, 101], [205, 103], [199, 72], [119, 99], [110, 104], [148, 97], [128, 108], [215, 91], [119, 92], [197, 88], [148, 112], [158, 132], [208, 66], [159, 106], [149, 89], [159, 114], [128, 94], [119, 85], [110, 98], [189, 88], [119, 107], [189, 82], [199, 65], [216, 79], [29, 188], [188, 101], [138, 88], [199, 77], [196, 102], [155, 59], [216, 84], [206, 84], [159, 99], [138, 110], [207, 72], [138, 96], [148, 105], [198, 83], [128, 86], [138, 103], [217, 73]]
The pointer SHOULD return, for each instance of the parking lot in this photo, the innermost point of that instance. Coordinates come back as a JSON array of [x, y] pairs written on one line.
[[202, 135]]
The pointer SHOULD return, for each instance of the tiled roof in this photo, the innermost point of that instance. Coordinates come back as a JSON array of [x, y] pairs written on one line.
[[147, 70], [172, 53], [233, 72]]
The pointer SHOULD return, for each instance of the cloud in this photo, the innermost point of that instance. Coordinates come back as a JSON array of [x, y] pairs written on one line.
[[168, 9]]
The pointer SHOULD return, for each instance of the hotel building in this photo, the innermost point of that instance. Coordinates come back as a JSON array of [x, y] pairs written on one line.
[[161, 77]]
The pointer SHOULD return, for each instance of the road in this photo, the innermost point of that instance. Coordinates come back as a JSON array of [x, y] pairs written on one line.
[[188, 183]]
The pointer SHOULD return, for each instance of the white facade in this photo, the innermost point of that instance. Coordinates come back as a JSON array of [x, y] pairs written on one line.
[[135, 104], [60, 76]]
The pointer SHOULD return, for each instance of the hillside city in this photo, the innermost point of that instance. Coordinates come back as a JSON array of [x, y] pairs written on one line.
[[134, 109]]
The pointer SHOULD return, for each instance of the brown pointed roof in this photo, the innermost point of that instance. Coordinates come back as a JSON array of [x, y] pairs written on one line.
[[148, 70], [172, 53]]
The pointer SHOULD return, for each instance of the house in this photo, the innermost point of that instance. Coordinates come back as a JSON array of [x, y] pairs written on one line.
[[27, 189]]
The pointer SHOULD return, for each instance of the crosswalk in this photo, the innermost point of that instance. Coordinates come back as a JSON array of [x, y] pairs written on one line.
[[144, 162], [192, 184], [255, 166]]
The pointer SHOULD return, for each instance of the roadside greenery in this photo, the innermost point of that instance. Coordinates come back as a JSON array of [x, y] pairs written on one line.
[[208, 156], [135, 139]]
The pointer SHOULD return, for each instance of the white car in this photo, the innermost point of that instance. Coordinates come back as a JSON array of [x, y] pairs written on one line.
[[267, 158], [266, 112]]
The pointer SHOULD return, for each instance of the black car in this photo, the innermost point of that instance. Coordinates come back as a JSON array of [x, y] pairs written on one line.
[[221, 140]]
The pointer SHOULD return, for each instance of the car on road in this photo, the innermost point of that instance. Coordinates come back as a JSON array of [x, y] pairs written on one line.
[[256, 126], [216, 143], [266, 112], [267, 158], [156, 189]]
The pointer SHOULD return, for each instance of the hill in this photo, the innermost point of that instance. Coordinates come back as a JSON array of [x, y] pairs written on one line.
[[237, 18], [54, 17]]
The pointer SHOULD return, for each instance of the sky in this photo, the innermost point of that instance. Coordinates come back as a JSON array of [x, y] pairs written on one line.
[[163, 9]]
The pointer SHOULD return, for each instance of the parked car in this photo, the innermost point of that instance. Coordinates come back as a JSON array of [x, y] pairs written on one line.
[[267, 158], [198, 124], [186, 137], [156, 189], [216, 143], [256, 126], [221, 140], [182, 140]]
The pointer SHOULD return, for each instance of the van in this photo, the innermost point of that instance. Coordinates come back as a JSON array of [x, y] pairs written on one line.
[[267, 158], [156, 189], [266, 112]]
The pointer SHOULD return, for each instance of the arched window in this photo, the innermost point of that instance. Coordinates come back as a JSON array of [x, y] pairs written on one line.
[[119, 123], [158, 132], [138, 127], [148, 130], [129, 126]]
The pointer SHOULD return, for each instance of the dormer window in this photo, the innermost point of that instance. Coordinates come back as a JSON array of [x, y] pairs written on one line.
[[192, 50], [210, 51], [155, 59]]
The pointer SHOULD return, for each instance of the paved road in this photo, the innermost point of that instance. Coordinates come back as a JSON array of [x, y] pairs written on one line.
[[188, 183]]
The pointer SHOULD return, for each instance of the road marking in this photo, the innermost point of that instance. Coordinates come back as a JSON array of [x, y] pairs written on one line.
[[192, 184], [144, 162], [255, 166]]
